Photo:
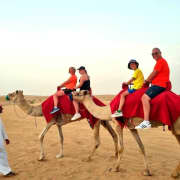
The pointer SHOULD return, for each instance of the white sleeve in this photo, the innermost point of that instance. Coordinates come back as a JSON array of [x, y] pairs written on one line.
[[2, 130]]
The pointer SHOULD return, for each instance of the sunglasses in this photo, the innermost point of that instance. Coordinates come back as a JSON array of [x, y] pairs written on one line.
[[155, 54]]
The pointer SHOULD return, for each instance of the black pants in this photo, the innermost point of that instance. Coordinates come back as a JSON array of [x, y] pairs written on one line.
[[68, 92]]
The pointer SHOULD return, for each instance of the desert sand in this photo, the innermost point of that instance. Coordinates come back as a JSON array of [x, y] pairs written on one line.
[[23, 152]]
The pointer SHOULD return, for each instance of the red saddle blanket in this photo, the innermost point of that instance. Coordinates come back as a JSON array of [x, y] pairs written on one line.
[[164, 108], [66, 107]]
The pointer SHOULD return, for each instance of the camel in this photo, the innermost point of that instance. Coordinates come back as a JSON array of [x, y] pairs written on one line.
[[63, 119], [105, 114]]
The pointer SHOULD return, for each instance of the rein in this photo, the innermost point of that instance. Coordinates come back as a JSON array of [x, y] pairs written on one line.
[[14, 108]]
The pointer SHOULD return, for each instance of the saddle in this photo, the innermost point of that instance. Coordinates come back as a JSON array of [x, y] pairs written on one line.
[[165, 108]]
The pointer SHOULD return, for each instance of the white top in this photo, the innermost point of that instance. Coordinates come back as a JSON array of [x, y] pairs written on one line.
[[4, 165], [3, 134]]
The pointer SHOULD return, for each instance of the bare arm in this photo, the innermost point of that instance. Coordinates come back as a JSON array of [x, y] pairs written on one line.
[[152, 76], [130, 81], [65, 82], [82, 79]]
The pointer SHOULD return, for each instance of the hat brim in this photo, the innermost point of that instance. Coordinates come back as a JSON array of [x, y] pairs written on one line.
[[80, 69]]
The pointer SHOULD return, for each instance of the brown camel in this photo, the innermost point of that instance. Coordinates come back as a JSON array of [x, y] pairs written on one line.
[[105, 113], [63, 119]]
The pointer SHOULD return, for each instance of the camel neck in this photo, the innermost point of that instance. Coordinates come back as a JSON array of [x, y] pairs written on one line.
[[100, 112], [29, 109], [25, 106]]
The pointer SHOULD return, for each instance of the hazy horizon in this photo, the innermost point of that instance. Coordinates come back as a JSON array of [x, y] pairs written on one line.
[[40, 40]]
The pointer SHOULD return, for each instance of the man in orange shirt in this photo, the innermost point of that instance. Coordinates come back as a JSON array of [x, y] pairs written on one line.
[[159, 79], [69, 85]]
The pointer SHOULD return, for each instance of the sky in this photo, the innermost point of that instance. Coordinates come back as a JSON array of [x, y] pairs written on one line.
[[40, 40]]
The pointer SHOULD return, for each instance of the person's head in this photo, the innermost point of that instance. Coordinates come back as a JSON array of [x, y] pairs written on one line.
[[156, 53], [133, 64], [82, 70], [72, 70], [1, 108]]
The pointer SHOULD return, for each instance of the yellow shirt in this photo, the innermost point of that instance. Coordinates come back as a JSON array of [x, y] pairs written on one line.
[[139, 79]]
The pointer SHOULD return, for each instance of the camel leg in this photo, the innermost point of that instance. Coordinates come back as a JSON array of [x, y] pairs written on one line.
[[60, 155], [135, 134], [41, 138], [176, 172], [111, 131], [96, 140], [119, 131]]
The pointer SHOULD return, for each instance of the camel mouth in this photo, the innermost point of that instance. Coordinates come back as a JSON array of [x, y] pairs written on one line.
[[14, 96]]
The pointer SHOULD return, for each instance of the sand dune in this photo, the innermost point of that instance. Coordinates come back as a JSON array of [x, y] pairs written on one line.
[[23, 152]]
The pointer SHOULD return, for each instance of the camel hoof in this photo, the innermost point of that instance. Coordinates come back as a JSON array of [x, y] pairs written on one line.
[[58, 156], [116, 169], [147, 173], [87, 159], [175, 174], [42, 158]]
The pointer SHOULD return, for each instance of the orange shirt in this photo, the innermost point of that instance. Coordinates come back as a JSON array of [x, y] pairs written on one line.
[[72, 81], [162, 77]]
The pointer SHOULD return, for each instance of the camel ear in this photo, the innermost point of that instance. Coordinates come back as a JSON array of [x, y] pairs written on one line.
[[17, 92]]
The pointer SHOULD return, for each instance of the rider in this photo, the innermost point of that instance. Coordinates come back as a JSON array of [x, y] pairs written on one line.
[[84, 84], [69, 85], [137, 80], [159, 79]]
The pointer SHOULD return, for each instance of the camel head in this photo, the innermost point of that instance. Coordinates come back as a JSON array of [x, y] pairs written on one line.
[[81, 95], [15, 97]]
